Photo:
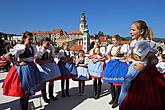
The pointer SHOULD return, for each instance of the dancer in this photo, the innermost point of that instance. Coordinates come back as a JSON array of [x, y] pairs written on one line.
[[23, 78], [49, 70], [143, 84]]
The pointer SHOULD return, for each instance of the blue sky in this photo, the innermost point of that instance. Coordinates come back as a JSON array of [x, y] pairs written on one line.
[[109, 16]]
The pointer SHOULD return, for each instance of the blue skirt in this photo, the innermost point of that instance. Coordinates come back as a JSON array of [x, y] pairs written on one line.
[[30, 78], [49, 71], [96, 70], [68, 70], [115, 71]]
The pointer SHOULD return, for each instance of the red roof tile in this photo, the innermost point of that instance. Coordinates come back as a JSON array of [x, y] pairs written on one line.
[[76, 32]]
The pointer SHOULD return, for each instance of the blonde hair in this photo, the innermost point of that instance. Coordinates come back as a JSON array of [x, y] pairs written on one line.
[[142, 25]]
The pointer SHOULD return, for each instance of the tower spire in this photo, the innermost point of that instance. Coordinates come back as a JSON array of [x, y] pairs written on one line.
[[83, 22]]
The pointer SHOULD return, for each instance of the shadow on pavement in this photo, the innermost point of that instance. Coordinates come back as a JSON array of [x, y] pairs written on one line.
[[66, 103], [12, 105]]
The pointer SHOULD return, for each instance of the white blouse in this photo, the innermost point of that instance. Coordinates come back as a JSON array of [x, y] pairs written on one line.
[[41, 50], [102, 51], [19, 49], [62, 55], [124, 49]]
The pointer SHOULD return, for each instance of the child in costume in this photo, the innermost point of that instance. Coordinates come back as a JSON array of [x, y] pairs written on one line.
[[82, 71], [96, 66]]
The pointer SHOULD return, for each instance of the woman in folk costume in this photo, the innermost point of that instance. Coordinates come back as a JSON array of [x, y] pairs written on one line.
[[23, 78], [143, 84], [82, 71], [116, 68], [67, 67], [95, 67], [49, 70]]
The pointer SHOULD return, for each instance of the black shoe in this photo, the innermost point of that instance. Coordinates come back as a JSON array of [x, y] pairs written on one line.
[[97, 96], [51, 92], [46, 100], [53, 98], [115, 105], [111, 102], [44, 96], [117, 92], [113, 95]]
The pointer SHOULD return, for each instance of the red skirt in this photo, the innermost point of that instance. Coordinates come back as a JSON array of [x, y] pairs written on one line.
[[147, 92], [12, 85]]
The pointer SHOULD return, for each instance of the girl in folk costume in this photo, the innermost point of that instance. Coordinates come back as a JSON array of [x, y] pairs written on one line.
[[95, 67], [67, 67], [143, 84], [82, 70], [116, 68], [23, 78], [49, 70]]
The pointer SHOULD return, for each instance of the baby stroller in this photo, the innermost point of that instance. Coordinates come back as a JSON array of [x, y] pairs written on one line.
[[4, 64]]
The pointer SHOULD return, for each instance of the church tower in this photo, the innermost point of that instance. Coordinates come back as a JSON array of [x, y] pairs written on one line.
[[82, 22], [86, 40]]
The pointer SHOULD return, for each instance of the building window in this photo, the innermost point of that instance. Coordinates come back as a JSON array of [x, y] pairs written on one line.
[[84, 43], [85, 38]]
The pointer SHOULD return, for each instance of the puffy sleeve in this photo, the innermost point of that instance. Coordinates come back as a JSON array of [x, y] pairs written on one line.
[[40, 52], [102, 50], [152, 44], [125, 49], [17, 49], [133, 43], [86, 60], [61, 54], [109, 48], [91, 52]]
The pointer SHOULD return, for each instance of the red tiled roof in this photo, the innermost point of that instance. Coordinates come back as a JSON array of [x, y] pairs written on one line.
[[64, 37], [76, 32], [56, 31], [76, 47]]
